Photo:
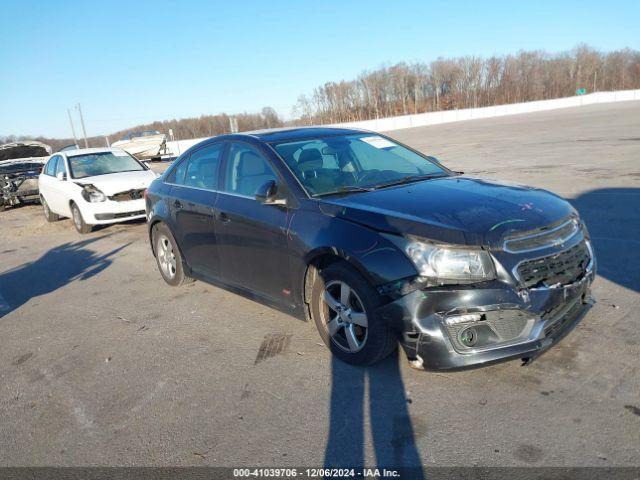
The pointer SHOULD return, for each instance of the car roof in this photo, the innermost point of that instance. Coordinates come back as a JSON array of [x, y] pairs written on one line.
[[84, 151], [299, 133]]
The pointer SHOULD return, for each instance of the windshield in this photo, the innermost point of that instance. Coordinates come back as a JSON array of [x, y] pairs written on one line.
[[102, 163], [346, 163]]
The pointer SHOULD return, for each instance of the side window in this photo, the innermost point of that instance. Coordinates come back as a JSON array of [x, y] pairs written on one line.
[[203, 166], [50, 169], [177, 175], [60, 167], [247, 170]]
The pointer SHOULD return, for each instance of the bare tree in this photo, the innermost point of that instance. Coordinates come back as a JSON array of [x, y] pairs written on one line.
[[470, 82]]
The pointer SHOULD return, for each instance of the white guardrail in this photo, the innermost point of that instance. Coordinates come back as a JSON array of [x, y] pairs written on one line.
[[448, 116]]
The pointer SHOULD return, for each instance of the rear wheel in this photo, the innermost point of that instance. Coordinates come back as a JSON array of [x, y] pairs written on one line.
[[48, 214], [78, 221], [343, 306], [168, 256]]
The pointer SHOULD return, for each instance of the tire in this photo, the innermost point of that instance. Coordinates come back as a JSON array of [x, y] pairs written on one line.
[[81, 226], [168, 256], [351, 342], [48, 214]]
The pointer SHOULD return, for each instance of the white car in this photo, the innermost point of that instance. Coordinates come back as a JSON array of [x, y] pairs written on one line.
[[94, 186]]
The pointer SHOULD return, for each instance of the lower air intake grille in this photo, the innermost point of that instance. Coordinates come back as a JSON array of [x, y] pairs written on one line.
[[505, 325], [566, 319], [111, 216]]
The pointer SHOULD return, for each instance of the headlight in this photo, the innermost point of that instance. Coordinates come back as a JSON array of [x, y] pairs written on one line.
[[446, 264], [92, 194]]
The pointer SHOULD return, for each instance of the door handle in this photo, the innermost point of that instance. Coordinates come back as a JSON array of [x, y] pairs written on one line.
[[177, 204], [224, 218]]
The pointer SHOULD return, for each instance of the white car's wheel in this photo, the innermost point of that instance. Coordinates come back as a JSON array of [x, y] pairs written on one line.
[[78, 221], [48, 214]]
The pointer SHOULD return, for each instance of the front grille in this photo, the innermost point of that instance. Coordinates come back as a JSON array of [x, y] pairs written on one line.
[[543, 237], [564, 267], [128, 195]]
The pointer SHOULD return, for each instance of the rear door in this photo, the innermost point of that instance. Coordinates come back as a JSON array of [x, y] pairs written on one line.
[[46, 179], [192, 201], [252, 237], [53, 193]]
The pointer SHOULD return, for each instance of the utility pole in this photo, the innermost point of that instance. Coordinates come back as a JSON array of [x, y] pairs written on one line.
[[84, 132], [73, 130], [233, 124]]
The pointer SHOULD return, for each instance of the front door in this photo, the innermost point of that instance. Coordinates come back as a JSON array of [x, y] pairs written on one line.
[[252, 236], [192, 201]]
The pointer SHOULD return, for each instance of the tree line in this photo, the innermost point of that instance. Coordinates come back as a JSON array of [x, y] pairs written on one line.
[[410, 88], [468, 82], [203, 126]]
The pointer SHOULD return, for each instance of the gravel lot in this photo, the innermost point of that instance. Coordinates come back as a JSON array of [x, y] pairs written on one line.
[[103, 364]]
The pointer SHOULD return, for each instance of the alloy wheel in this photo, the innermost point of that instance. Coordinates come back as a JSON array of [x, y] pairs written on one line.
[[344, 316], [166, 257], [77, 218]]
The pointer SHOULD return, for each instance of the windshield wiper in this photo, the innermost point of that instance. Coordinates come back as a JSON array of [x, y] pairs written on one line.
[[345, 189], [407, 179]]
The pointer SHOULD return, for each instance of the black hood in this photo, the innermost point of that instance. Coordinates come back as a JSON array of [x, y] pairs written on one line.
[[459, 210]]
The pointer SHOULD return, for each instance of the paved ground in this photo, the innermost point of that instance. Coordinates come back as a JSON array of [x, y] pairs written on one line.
[[102, 363]]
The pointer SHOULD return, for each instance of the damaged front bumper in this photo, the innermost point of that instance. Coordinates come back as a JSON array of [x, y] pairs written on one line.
[[111, 211], [508, 322]]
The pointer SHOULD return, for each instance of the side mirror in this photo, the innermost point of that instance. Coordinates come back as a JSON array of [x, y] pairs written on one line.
[[61, 176], [266, 194]]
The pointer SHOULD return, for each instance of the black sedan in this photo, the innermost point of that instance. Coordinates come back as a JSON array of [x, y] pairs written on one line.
[[375, 242]]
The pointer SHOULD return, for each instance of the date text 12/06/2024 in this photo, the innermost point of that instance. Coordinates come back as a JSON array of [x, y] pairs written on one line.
[[316, 473]]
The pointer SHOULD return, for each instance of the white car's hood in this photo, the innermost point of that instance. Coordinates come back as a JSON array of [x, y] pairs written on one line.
[[113, 183]]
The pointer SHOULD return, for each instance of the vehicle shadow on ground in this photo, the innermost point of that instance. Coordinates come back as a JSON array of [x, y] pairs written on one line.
[[612, 216], [391, 426], [56, 268]]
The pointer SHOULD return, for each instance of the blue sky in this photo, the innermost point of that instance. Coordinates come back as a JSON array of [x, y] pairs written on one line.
[[130, 62]]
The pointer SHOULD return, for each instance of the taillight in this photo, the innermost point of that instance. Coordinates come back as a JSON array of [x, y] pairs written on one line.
[[146, 194]]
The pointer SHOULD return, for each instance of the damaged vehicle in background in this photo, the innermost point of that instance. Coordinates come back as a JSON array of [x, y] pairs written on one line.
[[376, 243], [94, 186], [20, 165]]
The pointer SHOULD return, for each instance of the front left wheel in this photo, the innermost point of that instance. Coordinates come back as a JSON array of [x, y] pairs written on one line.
[[343, 307], [168, 256], [78, 220]]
